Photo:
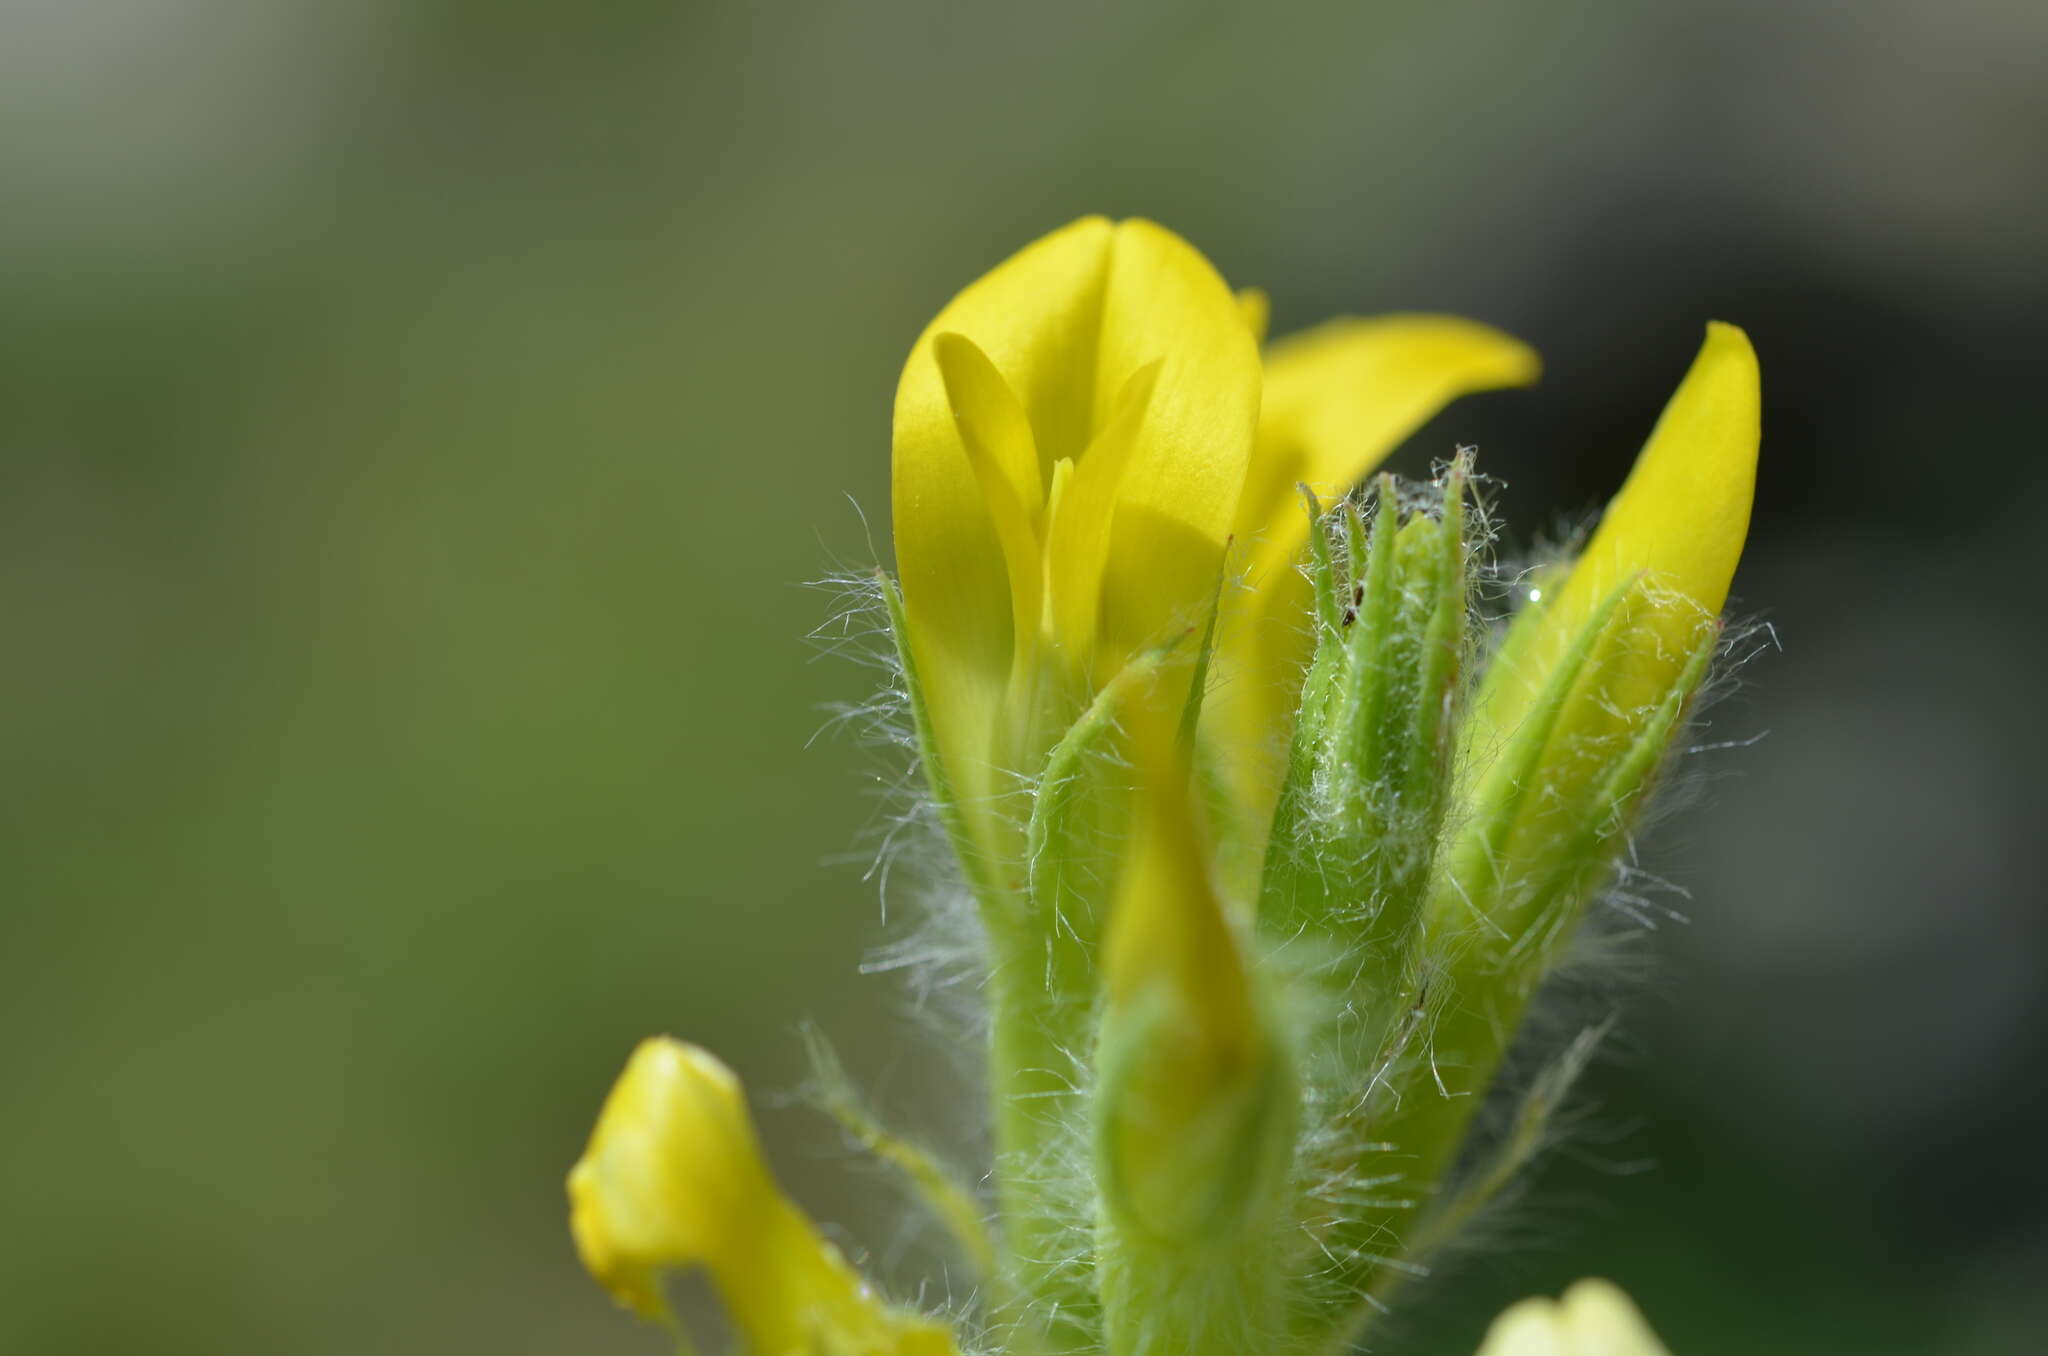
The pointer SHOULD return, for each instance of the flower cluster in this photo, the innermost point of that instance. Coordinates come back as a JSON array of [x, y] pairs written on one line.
[[1272, 839]]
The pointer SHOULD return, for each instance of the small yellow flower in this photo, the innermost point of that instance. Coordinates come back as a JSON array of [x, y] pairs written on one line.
[[1593, 1319], [1677, 526], [673, 1178], [1071, 433], [1580, 702], [1079, 435]]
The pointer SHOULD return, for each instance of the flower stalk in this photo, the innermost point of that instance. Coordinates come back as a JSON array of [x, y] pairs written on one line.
[[1271, 850]]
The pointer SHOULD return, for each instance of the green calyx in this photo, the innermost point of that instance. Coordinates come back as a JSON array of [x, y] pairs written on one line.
[[1247, 1137]]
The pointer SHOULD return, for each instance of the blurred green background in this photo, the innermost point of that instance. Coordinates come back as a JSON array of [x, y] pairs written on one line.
[[418, 420]]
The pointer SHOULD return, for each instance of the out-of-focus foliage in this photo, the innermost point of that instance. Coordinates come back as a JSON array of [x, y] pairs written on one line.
[[415, 419]]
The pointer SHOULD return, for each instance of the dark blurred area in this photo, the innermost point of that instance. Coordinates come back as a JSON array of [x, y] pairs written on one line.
[[417, 421]]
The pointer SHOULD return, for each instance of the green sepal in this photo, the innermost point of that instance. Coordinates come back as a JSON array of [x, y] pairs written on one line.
[[1360, 808], [1218, 1172], [1071, 839], [1539, 837], [1550, 817]]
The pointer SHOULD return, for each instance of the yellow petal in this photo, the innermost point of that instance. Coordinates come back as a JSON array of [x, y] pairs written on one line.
[[1165, 303], [1683, 514], [1195, 1111], [996, 436], [1338, 399], [1035, 317], [673, 1178], [1679, 523]]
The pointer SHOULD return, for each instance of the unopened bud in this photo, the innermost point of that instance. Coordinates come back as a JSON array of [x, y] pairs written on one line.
[[1197, 1095], [1593, 1319], [673, 1178]]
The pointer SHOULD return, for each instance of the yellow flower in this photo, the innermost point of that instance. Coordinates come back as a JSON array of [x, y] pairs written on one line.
[[1071, 433], [1593, 1319], [1582, 698], [1677, 528], [1564, 740], [1338, 399], [1078, 437], [673, 1178]]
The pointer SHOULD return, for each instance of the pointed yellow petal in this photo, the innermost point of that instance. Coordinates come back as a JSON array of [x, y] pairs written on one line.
[[1586, 690], [1679, 523], [1683, 514]]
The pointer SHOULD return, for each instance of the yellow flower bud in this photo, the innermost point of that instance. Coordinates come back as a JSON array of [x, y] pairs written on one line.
[[1193, 1089], [1197, 1097], [673, 1178], [1678, 526], [1593, 1319], [1592, 680]]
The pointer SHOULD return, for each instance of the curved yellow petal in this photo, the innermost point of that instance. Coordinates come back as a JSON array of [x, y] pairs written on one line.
[[1166, 304], [1679, 523], [1341, 396], [1683, 514], [995, 433], [673, 1178], [1035, 317]]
